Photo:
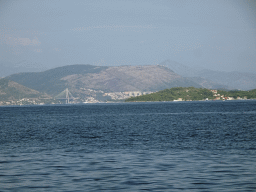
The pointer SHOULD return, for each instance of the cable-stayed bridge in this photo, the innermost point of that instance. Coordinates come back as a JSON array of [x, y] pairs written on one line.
[[65, 95]]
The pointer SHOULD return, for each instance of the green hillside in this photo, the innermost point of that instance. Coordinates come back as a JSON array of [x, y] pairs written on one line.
[[193, 94], [186, 93], [236, 93]]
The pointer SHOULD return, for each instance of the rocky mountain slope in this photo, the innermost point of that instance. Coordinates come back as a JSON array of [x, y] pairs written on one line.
[[79, 78], [51, 81], [129, 78]]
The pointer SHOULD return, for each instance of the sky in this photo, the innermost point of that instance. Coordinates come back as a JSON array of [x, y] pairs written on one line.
[[38, 35]]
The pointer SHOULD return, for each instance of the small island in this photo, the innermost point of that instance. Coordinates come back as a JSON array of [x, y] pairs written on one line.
[[194, 94]]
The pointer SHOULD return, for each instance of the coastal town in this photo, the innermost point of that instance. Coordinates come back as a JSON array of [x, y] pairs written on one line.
[[69, 99], [111, 97], [223, 97]]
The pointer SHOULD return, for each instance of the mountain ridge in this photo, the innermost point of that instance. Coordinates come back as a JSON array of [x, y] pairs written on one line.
[[214, 79], [102, 78], [85, 80], [99, 82]]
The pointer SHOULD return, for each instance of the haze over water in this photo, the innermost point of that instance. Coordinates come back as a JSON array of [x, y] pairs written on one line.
[[164, 146]]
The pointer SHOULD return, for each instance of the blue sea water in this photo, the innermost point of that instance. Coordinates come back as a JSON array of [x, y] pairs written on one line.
[[163, 146]]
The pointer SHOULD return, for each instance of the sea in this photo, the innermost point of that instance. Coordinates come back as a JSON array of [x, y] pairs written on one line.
[[150, 146]]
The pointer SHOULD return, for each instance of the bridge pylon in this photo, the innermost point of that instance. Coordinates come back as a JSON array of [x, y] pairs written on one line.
[[65, 95]]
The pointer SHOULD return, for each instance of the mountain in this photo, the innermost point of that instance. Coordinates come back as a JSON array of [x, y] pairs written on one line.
[[214, 79], [10, 90], [82, 79], [130, 78], [206, 83], [181, 69], [100, 82], [192, 74], [233, 80], [51, 81]]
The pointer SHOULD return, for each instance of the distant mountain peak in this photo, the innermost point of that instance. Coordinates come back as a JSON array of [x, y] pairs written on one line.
[[179, 68]]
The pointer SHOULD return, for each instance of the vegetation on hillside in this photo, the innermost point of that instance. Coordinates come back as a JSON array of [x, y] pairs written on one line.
[[10, 90], [236, 93], [192, 94]]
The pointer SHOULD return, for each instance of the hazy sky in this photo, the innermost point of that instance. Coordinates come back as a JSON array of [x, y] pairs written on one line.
[[214, 34]]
